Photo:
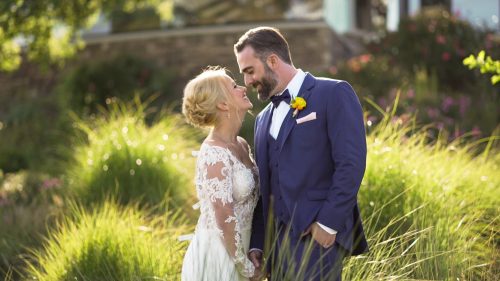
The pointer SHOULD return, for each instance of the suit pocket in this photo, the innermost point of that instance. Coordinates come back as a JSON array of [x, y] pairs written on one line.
[[317, 194]]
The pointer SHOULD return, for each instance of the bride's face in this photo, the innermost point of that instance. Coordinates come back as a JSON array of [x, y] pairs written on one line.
[[239, 95]]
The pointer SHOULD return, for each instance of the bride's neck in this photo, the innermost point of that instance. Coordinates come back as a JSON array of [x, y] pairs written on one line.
[[225, 133]]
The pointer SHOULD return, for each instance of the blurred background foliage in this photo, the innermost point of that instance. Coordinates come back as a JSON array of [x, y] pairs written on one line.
[[49, 30], [423, 60], [95, 84]]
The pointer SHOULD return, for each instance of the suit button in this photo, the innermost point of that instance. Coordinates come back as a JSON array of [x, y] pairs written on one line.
[[279, 197], [276, 165]]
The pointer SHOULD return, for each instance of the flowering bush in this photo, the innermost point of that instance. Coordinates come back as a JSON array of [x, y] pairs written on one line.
[[424, 60], [438, 41], [371, 76]]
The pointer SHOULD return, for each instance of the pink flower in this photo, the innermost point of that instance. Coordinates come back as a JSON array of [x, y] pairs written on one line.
[[354, 65], [51, 183], [410, 94], [457, 133], [445, 56], [432, 112], [432, 26], [3, 202], [440, 39], [463, 103], [365, 58], [448, 121], [333, 70], [476, 131], [372, 118], [447, 103], [460, 51]]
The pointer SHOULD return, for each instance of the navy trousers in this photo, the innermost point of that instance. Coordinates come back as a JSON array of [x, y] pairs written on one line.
[[303, 259]]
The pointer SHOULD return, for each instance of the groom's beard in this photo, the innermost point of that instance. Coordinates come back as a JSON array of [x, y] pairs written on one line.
[[267, 84]]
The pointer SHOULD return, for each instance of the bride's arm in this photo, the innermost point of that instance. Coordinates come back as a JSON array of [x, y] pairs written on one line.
[[219, 186]]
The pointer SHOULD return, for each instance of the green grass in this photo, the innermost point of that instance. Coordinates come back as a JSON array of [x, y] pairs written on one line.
[[432, 209], [111, 242], [121, 156]]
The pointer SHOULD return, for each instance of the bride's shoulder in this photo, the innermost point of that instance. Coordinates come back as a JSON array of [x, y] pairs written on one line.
[[213, 151], [243, 142]]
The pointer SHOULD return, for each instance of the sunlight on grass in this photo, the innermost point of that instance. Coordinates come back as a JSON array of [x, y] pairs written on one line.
[[431, 209], [111, 243], [123, 157]]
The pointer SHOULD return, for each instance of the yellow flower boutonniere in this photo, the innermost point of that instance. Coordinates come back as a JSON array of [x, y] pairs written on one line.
[[298, 104]]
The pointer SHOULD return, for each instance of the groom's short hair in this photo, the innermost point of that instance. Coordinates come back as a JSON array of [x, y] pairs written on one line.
[[265, 41]]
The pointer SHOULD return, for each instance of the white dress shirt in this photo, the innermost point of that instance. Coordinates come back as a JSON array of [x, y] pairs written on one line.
[[281, 111]]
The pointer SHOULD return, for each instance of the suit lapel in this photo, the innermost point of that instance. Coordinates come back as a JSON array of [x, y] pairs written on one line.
[[289, 122], [261, 137]]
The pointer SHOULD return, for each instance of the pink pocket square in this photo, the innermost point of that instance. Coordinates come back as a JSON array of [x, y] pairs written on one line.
[[309, 117]]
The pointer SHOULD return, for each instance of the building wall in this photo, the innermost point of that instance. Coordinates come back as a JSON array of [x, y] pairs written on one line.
[[314, 46]]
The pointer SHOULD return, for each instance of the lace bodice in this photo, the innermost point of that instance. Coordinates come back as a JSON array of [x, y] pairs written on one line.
[[228, 194]]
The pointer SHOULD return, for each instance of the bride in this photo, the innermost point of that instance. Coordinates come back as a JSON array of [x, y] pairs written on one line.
[[226, 179]]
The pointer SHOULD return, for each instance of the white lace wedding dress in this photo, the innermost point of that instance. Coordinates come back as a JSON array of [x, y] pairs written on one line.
[[227, 194]]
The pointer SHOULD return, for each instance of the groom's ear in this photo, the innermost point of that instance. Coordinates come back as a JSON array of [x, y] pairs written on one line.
[[272, 61]]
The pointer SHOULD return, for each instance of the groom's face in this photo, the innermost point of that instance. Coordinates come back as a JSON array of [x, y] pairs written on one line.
[[257, 73]]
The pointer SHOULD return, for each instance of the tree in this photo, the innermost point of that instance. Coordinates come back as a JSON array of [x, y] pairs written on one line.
[[48, 31]]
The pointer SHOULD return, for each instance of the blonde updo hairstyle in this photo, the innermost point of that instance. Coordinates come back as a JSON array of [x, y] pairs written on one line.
[[202, 94]]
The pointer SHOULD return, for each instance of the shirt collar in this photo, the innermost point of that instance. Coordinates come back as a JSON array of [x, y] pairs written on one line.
[[295, 84]]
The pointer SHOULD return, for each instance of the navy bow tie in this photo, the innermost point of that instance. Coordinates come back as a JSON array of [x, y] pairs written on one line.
[[278, 99]]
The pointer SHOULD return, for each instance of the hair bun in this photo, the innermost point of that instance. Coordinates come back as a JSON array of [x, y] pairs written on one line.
[[202, 94], [195, 113]]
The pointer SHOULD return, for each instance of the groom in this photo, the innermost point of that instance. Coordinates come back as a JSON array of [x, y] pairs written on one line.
[[311, 160]]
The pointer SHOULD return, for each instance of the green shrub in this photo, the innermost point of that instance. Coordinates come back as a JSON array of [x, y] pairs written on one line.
[[29, 203], [111, 243], [33, 132], [123, 157], [93, 85]]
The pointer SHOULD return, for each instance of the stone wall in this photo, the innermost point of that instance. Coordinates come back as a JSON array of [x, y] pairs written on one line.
[[314, 47]]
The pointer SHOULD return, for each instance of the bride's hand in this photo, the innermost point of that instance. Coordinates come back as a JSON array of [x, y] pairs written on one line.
[[258, 274]]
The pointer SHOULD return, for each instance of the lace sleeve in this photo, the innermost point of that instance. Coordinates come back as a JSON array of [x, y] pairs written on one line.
[[219, 186]]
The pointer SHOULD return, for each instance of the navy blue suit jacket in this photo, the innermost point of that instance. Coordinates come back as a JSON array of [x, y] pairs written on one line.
[[321, 164]]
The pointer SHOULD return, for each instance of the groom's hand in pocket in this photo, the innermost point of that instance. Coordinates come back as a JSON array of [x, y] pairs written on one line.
[[321, 236]]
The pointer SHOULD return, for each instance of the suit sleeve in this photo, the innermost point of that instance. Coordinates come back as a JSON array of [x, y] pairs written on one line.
[[346, 133], [258, 227]]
